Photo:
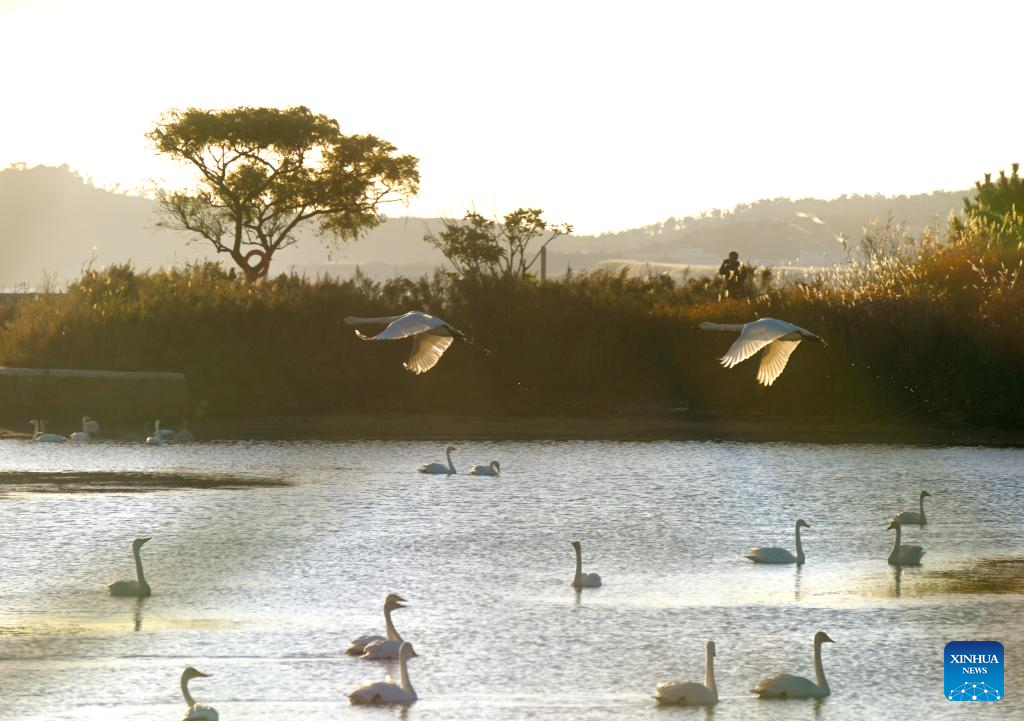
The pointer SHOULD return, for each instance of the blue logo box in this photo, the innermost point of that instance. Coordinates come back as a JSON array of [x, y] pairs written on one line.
[[974, 671]]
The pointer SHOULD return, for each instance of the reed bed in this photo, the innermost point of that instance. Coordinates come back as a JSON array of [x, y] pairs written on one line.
[[924, 328]]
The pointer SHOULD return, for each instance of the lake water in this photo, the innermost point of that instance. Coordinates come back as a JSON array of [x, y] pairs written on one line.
[[267, 558]]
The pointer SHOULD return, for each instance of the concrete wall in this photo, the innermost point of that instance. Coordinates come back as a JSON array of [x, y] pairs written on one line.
[[63, 396]]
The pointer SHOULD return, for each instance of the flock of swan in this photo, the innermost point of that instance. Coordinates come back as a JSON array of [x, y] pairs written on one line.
[[431, 337], [448, 468], [392, 646], [91, 431]]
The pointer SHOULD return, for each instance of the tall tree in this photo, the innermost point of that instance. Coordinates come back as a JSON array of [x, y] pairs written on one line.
[[264, 171], [482, 246]]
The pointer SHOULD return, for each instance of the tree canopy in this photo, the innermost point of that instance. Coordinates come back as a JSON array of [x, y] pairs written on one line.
[[264, 171], [478, 245]]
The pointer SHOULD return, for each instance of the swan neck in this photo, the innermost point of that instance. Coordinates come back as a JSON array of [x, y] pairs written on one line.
[[819, 670], [579, 562], [402, 665], [799, 546], [392, 634], [184, 692], [709, 673], [922, 510], [137, 552], [448, 457], [707, 325], [896, 545], [35, 430]]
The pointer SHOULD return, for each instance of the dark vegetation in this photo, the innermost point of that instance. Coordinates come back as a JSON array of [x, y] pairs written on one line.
[[927, 327]]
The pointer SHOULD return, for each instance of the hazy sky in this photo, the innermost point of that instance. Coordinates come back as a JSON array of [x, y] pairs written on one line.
[[607, 115]]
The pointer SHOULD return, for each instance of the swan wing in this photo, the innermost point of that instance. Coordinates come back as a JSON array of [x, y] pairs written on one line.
[[383, 650], [410, 324], [773, 554], [427, 350], [909, 517], [774, 359], [786, 685], [684, 694], [753, 338], [435, 468], [202, 712], [358, 645]]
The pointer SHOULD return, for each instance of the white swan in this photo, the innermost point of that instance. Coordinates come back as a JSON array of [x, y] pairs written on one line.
[[40, 435], [157, 438], [196, 711], [91, 426], [184, 435], [774, 554], [914, 517], [679, 693], [387, 691], [491, 469], [440, 467], [358, 646], [777, 337], [903, 555], [784, 685], [138, 587], [430, 335], [84, 434], [581, 579]]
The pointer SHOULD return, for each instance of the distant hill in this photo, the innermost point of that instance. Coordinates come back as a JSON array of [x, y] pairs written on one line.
[[53, 223]]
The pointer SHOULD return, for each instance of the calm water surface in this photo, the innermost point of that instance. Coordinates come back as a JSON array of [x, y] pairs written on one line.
[[267, 558]]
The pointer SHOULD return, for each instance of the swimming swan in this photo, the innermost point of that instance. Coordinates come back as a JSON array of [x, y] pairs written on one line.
[[387, 691], [903, 555], [358, 646], [678, 693], [440, 467], [430, 335], [196, 711], [132, 588], [85, 434], [580, 579], [914, 517], [775, 554], [492, 469], [777, 337], [40, 435], [157, 438], [784, 685]]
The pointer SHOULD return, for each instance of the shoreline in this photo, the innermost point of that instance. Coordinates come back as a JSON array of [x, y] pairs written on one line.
[[638, 427]]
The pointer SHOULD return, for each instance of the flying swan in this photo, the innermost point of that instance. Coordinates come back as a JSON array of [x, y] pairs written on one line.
[[440, 467], [774, 554], [196, 711], [132, 588], [914, 517], [491, 469], [903, 555], [678, 693], [581, 579], [784, 685], [777, 337], [372, 644], [387, 691], [430, 335]]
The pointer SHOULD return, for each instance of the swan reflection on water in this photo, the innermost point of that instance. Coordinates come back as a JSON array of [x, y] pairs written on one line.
[[138, 614]]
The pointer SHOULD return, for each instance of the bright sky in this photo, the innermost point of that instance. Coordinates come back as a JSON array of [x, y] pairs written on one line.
[[608, 115]]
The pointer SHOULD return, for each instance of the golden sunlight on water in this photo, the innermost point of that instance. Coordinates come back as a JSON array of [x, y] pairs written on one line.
[[266, 559]]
